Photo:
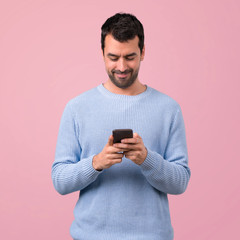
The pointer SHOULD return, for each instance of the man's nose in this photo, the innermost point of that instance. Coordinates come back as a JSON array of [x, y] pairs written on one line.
[[122, 66]]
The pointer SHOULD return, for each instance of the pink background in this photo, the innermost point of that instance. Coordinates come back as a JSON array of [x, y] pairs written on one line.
[[50, 52]]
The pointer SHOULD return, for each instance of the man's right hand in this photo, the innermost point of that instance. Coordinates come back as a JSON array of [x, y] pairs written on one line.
[[108, 156]]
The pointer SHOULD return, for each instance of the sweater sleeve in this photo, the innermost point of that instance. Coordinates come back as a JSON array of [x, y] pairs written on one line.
[[169, 173], [69, 172]]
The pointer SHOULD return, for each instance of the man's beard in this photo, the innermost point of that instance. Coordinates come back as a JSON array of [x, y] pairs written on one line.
[[124, 82]]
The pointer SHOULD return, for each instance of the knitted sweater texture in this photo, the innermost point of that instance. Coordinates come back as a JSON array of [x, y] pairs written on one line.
[[126, 201]]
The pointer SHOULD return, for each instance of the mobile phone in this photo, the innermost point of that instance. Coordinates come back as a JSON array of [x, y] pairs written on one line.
[[119, 134]]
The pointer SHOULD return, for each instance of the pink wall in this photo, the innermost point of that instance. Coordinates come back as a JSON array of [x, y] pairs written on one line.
[[50, 52]]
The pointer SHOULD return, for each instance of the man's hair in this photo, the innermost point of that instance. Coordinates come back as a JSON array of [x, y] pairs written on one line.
[[123, 27]]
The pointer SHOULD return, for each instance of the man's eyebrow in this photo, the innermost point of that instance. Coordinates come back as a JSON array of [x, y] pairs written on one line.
[[128, 55], [112, 55], [131, 54]]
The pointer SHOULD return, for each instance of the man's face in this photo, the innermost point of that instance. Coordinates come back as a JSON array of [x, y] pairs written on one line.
[[122, 61]]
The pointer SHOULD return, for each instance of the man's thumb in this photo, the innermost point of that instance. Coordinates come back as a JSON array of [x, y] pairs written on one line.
[[110, 140]]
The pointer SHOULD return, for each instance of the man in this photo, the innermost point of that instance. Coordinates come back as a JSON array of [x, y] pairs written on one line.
[[123, 186]]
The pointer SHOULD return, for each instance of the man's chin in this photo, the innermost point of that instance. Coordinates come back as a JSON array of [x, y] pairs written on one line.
[[122, 83]]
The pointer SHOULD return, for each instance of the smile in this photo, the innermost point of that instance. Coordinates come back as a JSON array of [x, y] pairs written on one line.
[[122, 75]]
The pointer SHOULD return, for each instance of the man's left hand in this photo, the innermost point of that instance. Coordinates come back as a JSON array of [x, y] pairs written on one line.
[[133, 148]]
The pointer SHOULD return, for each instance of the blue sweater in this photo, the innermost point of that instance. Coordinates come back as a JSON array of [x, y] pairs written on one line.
[[126, 201]]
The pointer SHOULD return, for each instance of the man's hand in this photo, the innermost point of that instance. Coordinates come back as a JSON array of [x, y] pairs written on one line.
[[108, 156], [133, 148]]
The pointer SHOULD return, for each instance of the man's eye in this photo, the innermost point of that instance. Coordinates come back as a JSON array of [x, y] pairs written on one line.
[[114, 59], [130, 59]]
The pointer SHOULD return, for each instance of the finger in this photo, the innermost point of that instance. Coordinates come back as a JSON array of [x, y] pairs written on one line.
[[124, 147], [131, 157], [116, 150], [128, 153], [136, 135], [119, 160], [130, 140], [116, 156], [110, 140]]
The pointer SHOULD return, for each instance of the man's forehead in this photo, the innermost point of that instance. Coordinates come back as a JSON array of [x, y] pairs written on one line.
[[113, 46]]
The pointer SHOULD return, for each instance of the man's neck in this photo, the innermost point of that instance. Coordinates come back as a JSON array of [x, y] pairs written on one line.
[[135, 89]]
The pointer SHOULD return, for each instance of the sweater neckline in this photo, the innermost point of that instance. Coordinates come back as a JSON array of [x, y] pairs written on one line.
[[112, 95]]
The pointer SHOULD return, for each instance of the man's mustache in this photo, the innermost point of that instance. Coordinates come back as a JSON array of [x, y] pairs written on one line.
[[119, 72]]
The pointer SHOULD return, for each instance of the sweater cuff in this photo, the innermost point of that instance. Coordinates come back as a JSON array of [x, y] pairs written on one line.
[[88, 169], [152, 162]]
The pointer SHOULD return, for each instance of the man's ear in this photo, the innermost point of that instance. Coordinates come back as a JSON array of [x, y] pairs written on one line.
[[143, 53]]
